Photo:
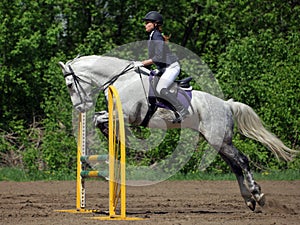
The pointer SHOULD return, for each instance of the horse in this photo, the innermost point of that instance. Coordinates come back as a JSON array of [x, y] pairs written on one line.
[[210, 116]]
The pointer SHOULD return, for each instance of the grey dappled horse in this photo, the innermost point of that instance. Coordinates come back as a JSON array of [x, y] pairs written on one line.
[[211, 116]]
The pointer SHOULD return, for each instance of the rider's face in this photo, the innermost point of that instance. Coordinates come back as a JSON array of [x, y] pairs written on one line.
[[149, 26]]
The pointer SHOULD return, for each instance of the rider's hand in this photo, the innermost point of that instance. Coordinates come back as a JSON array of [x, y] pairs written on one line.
[[137, 64]]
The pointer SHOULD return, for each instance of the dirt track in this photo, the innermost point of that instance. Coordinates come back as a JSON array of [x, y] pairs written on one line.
[[173, 202]]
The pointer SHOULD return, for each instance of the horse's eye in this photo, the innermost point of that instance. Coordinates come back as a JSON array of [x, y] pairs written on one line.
[[69, 85]]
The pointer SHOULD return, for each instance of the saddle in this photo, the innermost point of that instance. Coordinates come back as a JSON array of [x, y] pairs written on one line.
[[181, 88]]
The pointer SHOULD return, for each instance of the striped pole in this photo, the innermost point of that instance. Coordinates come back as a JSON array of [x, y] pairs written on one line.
[[81, 151]]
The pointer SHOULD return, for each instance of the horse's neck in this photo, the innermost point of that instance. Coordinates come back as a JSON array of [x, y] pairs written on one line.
[[104, 68], [101, 68], [108, 67]]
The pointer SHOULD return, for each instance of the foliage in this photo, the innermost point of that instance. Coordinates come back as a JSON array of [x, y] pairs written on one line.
[[252, 47]]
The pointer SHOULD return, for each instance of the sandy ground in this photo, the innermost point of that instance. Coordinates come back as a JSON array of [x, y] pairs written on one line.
[[169, 202]]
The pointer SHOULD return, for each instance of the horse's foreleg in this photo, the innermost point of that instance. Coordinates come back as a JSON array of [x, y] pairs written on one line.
[[101, 122]]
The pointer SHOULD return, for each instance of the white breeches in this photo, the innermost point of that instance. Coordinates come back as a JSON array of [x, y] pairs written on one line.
[[168, 76]]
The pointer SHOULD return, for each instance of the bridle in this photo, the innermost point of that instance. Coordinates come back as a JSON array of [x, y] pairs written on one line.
[[103, 87], [78, 86]]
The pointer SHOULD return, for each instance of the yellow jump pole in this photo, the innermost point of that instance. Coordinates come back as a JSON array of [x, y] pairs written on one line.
[[117, 159], [114, 117], [112, 159]]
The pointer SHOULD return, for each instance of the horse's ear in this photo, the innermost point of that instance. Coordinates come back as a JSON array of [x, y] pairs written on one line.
[[62, 66]]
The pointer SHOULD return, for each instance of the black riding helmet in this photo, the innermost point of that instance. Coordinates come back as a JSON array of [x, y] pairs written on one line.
[[154, 17]]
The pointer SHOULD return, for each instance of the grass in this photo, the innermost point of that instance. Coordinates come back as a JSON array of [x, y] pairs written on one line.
[[17, 174]]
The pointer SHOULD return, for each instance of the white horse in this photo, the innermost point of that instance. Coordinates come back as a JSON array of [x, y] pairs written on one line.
[[210, 116]]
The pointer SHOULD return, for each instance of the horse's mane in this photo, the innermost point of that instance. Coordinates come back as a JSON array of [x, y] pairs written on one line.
[[112, 65], [97, 58]]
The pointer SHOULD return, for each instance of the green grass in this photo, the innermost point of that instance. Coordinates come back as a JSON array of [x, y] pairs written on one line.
[[16, 174], [12, 174]]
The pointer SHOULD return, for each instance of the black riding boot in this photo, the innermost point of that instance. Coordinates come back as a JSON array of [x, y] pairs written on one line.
[[181, 112]]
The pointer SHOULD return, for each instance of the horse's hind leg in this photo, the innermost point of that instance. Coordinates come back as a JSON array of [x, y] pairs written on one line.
[[246, 194], [217, 125], [239, 164]]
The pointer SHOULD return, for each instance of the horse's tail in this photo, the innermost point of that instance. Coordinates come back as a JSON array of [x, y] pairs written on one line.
[[250, 125]]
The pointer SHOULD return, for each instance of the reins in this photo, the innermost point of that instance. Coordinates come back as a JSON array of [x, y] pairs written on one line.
[[145, 93], [114, 78], [125, 70]]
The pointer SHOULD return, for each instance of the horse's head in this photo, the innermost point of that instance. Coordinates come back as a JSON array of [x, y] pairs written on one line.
[[86, 76], [81, 88]]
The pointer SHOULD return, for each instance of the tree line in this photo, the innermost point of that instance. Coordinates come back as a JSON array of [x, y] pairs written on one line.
[[251, 46]]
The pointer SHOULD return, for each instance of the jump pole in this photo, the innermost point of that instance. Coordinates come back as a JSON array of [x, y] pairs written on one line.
[[80, 181], [81, 151], [117, 159], [117, 152]]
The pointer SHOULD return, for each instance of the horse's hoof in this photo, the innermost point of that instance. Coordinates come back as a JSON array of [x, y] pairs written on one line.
[[261, 200], [251, 203]]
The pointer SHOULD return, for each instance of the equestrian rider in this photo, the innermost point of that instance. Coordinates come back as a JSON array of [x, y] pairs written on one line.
[[166, 62]]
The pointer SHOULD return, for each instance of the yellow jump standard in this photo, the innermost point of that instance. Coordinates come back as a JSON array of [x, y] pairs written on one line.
[[117, 163]]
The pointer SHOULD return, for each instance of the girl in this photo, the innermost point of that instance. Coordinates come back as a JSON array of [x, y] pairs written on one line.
[[165, 61]]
